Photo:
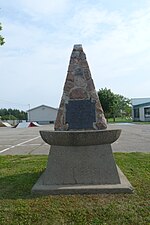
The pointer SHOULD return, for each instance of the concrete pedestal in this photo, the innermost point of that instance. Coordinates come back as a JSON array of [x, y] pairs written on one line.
[[78, 166]]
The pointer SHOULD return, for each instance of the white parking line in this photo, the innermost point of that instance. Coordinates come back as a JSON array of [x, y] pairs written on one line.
[[34, 144], [13, 146]]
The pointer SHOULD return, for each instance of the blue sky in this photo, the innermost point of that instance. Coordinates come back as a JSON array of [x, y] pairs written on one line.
[[40, 36]]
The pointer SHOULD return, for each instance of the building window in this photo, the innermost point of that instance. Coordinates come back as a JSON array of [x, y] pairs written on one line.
[[147, 112], [136, 113]]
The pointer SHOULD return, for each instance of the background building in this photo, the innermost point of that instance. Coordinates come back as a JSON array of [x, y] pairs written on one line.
[[141, 109], [42, 114]]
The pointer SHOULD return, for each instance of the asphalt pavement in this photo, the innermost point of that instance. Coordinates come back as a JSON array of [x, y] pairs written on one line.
[[20, 141]]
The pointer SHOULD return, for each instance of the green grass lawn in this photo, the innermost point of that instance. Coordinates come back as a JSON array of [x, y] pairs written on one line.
[[17, 206], [120, 120], [126, 120]]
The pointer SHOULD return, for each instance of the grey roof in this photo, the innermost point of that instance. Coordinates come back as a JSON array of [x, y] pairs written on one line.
[[141, 105], [40, 107], [139, 101]]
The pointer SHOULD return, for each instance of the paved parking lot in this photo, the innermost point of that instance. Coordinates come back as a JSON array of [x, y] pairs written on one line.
[[134, 138], [16, 141]]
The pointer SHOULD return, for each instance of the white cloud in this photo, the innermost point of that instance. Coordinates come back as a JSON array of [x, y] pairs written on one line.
[[36, 7], [38, 46], [124, 48], [93, 21], [45, 7]]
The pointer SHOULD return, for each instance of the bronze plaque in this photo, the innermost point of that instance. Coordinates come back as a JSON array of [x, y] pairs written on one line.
[[80, 114]]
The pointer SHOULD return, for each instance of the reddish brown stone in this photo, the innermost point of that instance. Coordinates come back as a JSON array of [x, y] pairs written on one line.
[[61, 106], [68, 86], [101, 122], [90, 85], [70, 76], [99, 113], [99, 107], [78, 93], [58, 125], [84, 64], [101, 125], [58, 121]]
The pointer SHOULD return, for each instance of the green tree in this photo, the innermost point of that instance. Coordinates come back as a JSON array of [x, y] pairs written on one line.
[[9, 117], [114, 105], [106, 98], [1, 38], [12, 114]]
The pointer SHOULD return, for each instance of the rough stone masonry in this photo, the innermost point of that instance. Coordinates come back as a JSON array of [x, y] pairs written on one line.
[[80, 108]]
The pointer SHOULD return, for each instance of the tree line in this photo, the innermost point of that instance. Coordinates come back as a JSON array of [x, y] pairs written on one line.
[[12, 114], [114, 105]]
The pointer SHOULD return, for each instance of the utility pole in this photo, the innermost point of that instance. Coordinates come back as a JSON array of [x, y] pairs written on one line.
[[29, 113]]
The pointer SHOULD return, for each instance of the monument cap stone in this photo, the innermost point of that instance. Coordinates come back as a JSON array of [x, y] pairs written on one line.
[[80, 108], [77, 47]]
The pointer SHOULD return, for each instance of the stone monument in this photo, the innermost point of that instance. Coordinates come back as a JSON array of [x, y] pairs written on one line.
[[80, 159]]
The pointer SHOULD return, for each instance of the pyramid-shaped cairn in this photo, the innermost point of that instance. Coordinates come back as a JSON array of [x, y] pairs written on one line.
[[80, 107], [80, 158]]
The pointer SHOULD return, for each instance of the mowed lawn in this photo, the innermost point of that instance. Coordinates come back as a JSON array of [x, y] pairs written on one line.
[[17, 206]]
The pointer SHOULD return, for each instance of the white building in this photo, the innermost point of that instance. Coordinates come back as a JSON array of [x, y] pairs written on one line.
[[141, 109], [42, 114]]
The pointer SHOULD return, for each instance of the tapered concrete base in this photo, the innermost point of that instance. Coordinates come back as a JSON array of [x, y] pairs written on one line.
[[123, 187], [69, 165], [81, 162]]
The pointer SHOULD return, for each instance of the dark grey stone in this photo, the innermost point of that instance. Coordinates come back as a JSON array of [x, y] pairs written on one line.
[[75, 54], [77, 47], [78, 71], [82, 56]]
